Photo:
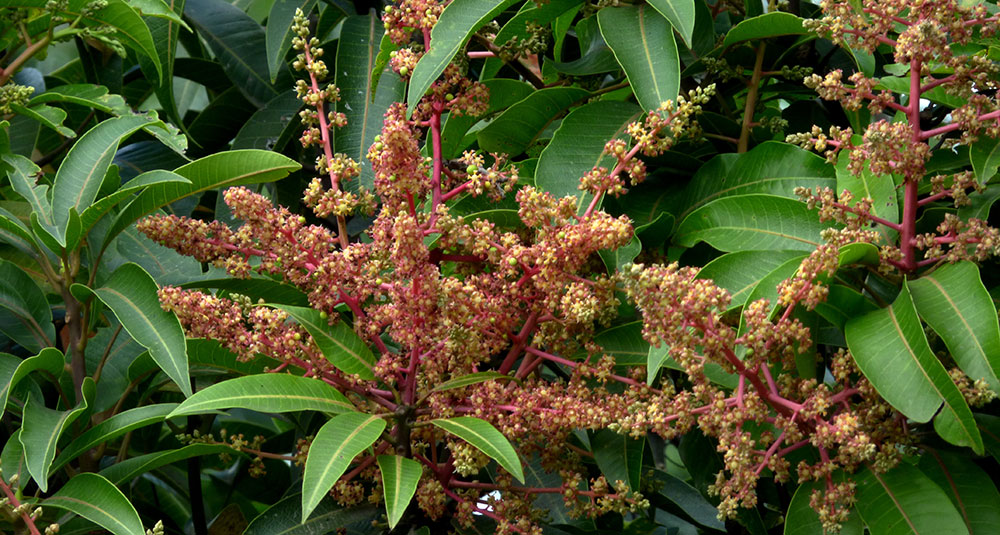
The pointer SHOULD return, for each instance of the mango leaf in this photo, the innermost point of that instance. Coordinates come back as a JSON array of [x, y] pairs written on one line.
[[102, 207], [164, 31], [519, 126], [239, 44], [761, 27], [595, 55], [129, 469], [842, 304], [516, 27], [41, 428], [13, 369], [112, 428], [266, 392], [643, 43], [980, 204], [454, 27], [985, 158], [904, 501], [618, 456], [157, 9], [471, 379], [740, 272], [752, 222], [21, 175], [689, 500], [31, 326], [969, 488], [364, 97], [95, 498], [399, 482], [615, 259], [337, 443], [891, 349], [12, 462], [881, 189], [14, 232], [504, 93], [279, 34], [88, 95], [625, 343], [954, 302], [272, 126], [801, 518], [285, 518], [659, 357], [338, 342], [132, 295], [484, 437], [577, 146], [219, 170], [681, 14], [48, 116]]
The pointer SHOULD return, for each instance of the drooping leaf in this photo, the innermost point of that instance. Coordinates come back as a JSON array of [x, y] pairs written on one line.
[[337, 443], [681, 14], [487, 439], [95, 498], [31, 326], [21, 175], [164, 31], [279, 34], [519, 126], [643, 43], [13, 369], [752, 222], [338, 342], [619, 457], [12, 462], [689, 500], [111, 428], [771, 24], [577, 146], [399, 482], [48, 116], [969, 488], [266, 392], [954, 302], [41, 428], [132, 295], [891, 349], [129, 469], [453, 29], [904, 501]]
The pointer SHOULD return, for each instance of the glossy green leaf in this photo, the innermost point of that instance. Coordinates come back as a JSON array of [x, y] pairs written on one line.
[[904, 501], [519, 126], [980, 204], [764, 26], [112, 428], [157, 9], [471, 379], [689, 500], [516, 28], [12, 462], [881, 189], [13, 369], [752, 222], [643, 43], [801, 519], [337, 443], [338, 342], [487, 439], [239, 44], [132, 295], [985, 158], [619, 457], [16, 233], [681, 14], [625, 343], [969, 488], [453, 29], [47, 116], [285, 518], [22, 175], [98, 500], [740, 272], [219, 170], [659, 357], [595, 55], [399, 482], [616, 259], [504, 93], [891, 349], [267, 392], [41, 428], [19, 294], [954, 302], [103, 206], [279, 34], [842, 304], [129, 469], [87, 95], [577, 146], [272, 126]]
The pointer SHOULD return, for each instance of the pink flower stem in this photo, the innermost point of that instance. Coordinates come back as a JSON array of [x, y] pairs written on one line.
[[572, 364], [14, 503], [927, 134], [473, 54], [520, 340], [436, 109]]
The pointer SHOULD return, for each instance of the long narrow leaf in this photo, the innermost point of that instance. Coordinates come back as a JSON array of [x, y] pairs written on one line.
[[400, 477], [487, 439], [268, 392]]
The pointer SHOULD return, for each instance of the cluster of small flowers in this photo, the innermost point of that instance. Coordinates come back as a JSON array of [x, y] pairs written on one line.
[[409, 16], [672, 121]]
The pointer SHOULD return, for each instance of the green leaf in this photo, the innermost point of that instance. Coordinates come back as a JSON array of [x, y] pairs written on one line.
[[19, 294], [624, 342], [689, 500], [267, 392], [98, 500], [504, 93], [761, 27], [126, 25], [285, 518], [519, 126], [14, 232], [129, 469], [12, 461], [577, 146], [158, 9], [87, 95], [338, 342], [954, 302], [890, 348], [111, 428], [279, 34], [21, 173], [272, 126], [484, 437], [399, 482], [48, 116], [595, 55], [132, 295], [363, 98], [615, 259], [881, 189], [643, 43], [102, 207], [219, 170], [985, 158], [454, 27], [681, 15], [842, 304], [41, 428], [619, 457], [904, 501], [471, 379], [80, 176], [541, 14], [752, 222], [801, 518], [740, 272], [13, 369], [969, 488], [337, 443], [238, 42]]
